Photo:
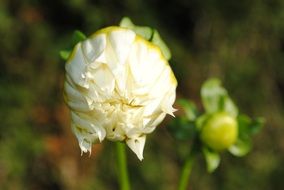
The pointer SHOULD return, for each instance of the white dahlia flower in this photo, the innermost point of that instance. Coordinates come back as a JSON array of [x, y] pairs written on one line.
[[118, 86]]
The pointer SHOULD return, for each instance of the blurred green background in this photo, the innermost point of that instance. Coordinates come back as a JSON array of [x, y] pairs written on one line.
[[242, 42]]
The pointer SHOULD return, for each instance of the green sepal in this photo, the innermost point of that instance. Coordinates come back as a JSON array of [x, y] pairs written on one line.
[[189, 108], [229, 106], [212, 159], [241, 147], [248, 126], [144, 31], [77, 37], [157, 40], [201, 120], [147, 33], [216, 99], [64, 54], [211, 91]]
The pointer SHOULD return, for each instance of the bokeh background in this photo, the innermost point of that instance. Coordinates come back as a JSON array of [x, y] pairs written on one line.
[[242, 42]]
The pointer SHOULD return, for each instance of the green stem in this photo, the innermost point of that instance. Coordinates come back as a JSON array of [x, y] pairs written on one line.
[[186, 170], [122, 166]]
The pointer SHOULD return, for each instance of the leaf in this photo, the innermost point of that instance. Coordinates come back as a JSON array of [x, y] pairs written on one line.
[[189, 109], [64, 54], [241, 147], [215, 98], [147, 33], [182, 129], [212, 159]]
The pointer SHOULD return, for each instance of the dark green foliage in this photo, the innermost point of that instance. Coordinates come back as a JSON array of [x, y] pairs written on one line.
[[241, 42]]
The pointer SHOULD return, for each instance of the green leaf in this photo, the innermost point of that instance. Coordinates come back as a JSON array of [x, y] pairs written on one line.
[[241, 147], [147, 33], [189, 109], [64, 54], [182, 129], [216, 99], [212, 159]]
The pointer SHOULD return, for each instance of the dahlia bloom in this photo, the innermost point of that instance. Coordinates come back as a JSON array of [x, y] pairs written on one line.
[[118, 86]]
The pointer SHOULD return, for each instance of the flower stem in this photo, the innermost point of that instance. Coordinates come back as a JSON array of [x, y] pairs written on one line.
[[186, 171], [122, 166]]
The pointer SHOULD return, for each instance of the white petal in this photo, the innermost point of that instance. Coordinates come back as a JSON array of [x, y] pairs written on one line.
[[75, 68], [168, 101], [120, 75], [121, 41], [153, 122], [103, 79], [152, 107], [162, 83], [75, 99], [93, 95], [85, 123], [135, 61], [94, 47], [115, 132], [145, 67], [137, 145], [84, 144]]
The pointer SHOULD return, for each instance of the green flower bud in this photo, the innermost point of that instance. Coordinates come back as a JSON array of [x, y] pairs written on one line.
[[220, 131]]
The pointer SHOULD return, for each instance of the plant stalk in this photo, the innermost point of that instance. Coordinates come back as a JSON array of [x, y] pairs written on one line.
[[122, 167], [186, 171]]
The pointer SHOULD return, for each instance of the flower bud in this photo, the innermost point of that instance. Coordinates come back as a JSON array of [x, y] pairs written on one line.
[[220, 131], [118, 86]]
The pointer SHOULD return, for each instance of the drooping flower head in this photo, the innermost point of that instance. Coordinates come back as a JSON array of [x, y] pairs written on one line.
[[118, 86]]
